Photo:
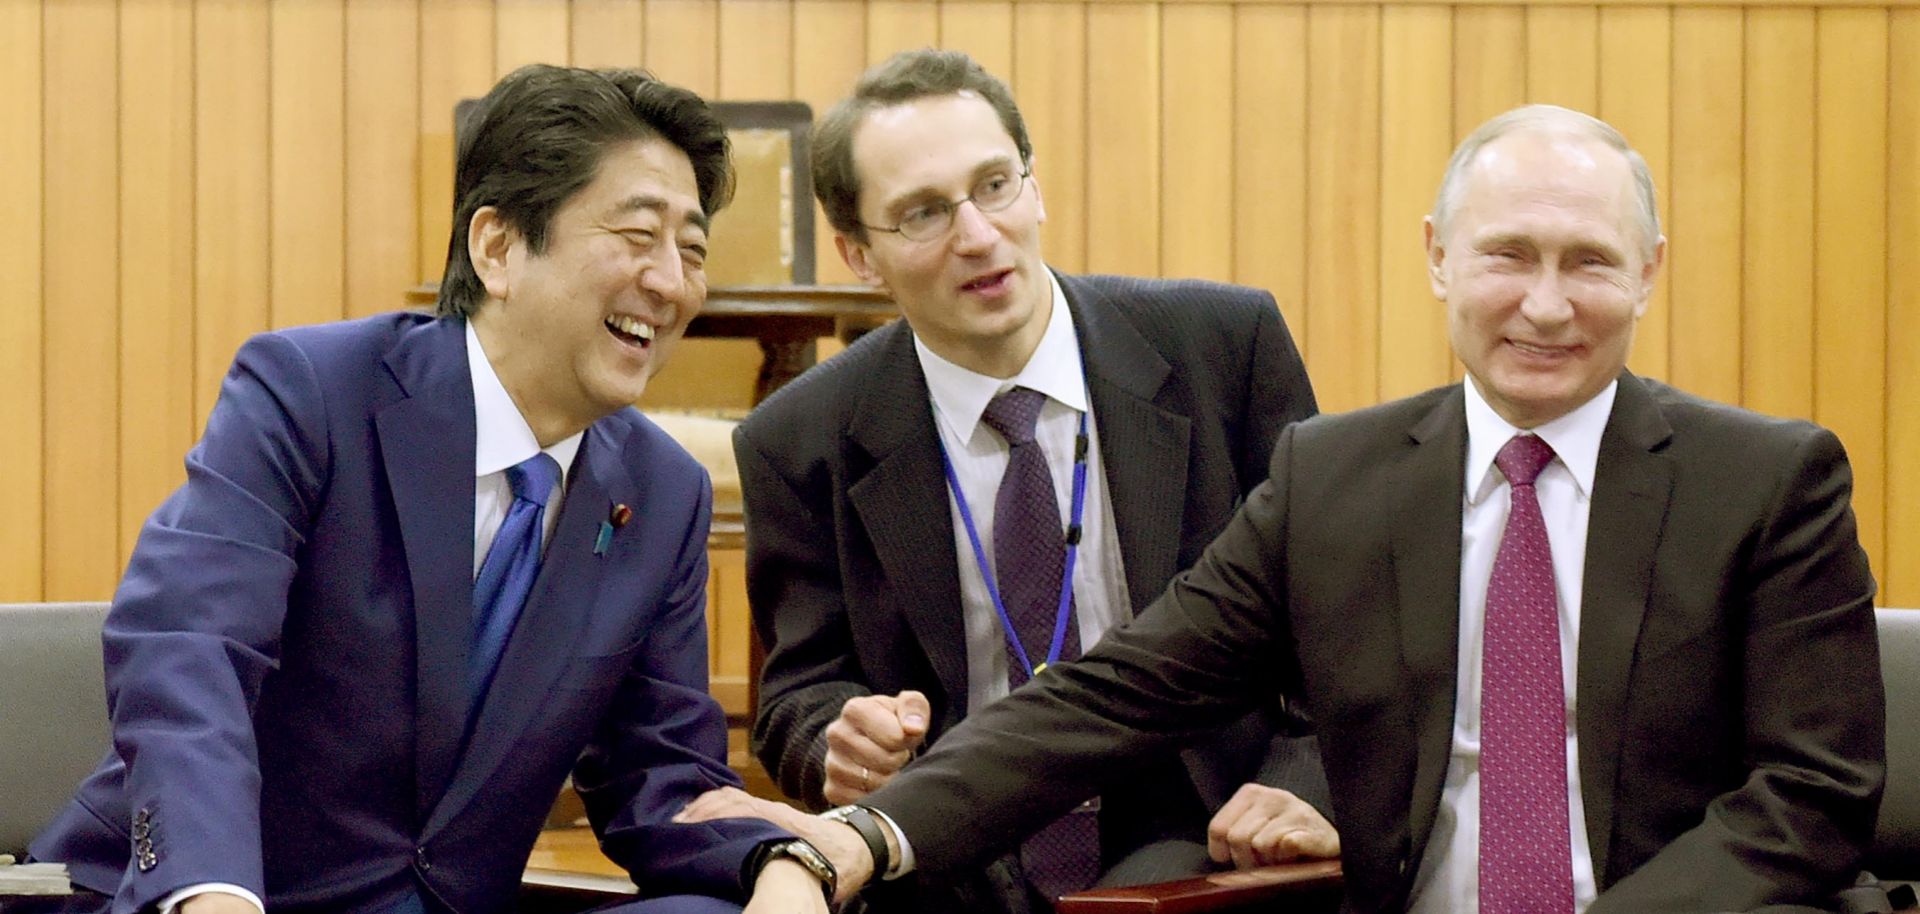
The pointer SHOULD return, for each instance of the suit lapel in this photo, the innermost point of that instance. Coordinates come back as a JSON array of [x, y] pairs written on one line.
[[563, 598], [901, 502], [1631, 485], [1143, 446], [1425, 514], [427, 450]]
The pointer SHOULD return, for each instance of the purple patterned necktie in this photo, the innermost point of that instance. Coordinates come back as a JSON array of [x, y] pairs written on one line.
[[1525, 854], [1029, 558]]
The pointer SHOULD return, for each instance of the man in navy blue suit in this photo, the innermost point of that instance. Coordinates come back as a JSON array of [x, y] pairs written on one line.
[[311, 709]]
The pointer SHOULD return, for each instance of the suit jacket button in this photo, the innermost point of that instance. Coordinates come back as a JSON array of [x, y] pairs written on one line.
[[420, 859]]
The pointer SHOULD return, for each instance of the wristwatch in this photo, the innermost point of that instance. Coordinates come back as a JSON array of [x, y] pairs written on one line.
[[797, 850], [862, 820]]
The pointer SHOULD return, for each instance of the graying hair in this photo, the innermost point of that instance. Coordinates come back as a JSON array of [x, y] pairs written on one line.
[[1547, 119]]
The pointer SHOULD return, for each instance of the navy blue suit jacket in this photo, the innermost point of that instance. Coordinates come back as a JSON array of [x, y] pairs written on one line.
[[286, 655]]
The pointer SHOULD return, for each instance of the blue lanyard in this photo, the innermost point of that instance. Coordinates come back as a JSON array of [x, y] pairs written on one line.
[[1062, 615]]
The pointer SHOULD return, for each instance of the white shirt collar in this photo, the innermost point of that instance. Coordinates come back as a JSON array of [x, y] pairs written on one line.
[[1574, 437], [960, 395], [501, 435]]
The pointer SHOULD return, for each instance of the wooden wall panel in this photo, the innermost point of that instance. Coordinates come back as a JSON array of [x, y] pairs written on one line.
[[1563, 56], [1777, 349], [292, 162], [1196, 142], [1123, 166], [1636, 58], [1705, 219], [1270, 156], [82, 253], [382, 170], [1898, 566], [156, 251], [1050, 80], [307, 159], [1850, 248], [1416, 137], [529, 31], [232, 189], [1343, 205], [22, 348], [606, 33]]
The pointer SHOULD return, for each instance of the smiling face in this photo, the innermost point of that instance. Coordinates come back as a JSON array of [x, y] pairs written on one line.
[[977, 295], [575, 331], [1545, 272]]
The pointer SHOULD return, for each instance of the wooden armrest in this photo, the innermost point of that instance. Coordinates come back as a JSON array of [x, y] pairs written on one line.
[[1215, 892]]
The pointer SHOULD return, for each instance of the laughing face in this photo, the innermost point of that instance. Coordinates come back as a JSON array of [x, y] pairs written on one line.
[[978, 295], [1545, 272], [576, 330]]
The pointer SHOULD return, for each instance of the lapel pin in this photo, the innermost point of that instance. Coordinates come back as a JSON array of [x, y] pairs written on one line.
[[621, 514], [616, 519]]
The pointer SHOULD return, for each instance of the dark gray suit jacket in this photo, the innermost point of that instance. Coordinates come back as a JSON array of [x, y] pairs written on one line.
[[1730, 711], [851, 561]]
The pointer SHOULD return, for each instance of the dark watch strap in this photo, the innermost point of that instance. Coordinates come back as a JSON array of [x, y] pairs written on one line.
[[868, 825]]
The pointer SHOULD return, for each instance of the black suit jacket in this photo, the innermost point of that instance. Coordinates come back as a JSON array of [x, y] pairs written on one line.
[[1730, 712], [851, 561]]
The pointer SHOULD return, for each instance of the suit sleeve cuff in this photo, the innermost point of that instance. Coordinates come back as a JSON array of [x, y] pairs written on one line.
[[173, 901]]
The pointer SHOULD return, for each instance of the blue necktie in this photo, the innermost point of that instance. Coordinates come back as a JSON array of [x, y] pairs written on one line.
[[513, 561]]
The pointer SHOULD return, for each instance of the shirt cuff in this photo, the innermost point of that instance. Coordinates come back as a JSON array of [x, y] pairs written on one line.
[[902, 862], [169, 903]]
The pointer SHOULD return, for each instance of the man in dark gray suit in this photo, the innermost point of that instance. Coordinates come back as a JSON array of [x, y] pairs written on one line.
[[1572, 640], [875, 574]]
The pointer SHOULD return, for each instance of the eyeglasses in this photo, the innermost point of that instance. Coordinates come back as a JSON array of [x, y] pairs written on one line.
[[933, 219]]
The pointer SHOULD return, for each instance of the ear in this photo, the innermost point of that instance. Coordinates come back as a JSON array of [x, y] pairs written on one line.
[[490, 244], [1436, 257], [1039, 202], [859, 259], [1649, 273]]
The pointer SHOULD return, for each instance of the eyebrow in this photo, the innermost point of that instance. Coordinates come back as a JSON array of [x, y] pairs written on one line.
[[904, 200], [659, 205]]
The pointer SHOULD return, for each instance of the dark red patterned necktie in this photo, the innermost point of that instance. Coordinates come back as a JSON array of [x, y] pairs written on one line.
[[1525, 854]]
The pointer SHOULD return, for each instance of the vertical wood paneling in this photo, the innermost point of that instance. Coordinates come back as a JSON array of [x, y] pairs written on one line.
[[1343, 205], [900, 25], [1563, 56], [1850, 238], [756, 49], [1270, 156], [1706, 214], [983, 29], [456, 62], [824, 73], [683, 43], [1636, 65], [1899, 566], [529, 31], [1489, 64], [1416, 130], [1050, 80], [156, 252], [82, 257], [606, 33], [1196, 142], [231, 188], [307, 158], [1123, 130], [1777, 346], [22, 352], [382, 153]]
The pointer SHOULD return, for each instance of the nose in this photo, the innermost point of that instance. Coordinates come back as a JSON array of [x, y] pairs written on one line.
[[664, 273], [1547, 303], [972, 231]]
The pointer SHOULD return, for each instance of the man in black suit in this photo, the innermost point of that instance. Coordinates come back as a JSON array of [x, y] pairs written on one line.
[[1572, 640], [878, 608]]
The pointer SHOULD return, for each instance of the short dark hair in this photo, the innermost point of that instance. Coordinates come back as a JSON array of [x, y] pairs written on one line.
[[538, 137], [904, 77]]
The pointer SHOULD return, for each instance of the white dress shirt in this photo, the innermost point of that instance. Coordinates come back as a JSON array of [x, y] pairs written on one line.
[[502, 438], [1448, 879], [979, 457]]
